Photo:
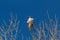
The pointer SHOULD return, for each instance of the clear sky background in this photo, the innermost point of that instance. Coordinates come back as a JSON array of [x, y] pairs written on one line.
[[25, 8]]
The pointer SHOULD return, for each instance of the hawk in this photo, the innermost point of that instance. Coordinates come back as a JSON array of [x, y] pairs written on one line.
[[30, 22]]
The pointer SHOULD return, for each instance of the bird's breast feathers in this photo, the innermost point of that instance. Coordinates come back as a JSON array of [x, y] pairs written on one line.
[[30, 20]]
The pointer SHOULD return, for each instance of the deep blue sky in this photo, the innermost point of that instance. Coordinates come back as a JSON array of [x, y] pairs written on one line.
[[25, 8]]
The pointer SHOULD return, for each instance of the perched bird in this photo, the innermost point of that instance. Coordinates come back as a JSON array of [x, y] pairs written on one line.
[[30, 22]]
